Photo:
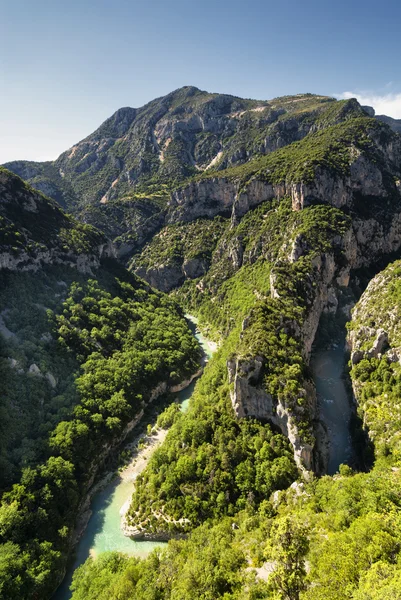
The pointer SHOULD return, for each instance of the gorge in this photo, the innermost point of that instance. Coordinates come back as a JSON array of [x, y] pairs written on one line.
[[266, 220]]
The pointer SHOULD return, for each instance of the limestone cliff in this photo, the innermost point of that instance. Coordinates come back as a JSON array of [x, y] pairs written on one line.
[[363, 243], [372, 170], [374, 339], [125, 169], [34, 232]]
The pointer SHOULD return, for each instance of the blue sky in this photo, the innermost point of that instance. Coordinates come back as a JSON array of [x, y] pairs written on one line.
[[66, 66]]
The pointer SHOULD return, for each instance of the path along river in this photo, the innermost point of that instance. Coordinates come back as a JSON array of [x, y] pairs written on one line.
[[103, 532]]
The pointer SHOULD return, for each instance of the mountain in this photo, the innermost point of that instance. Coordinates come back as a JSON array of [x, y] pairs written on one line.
[[120, 177], [353, 165]]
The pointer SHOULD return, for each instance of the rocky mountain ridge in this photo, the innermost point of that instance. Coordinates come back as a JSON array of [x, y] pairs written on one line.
[[120, 177]]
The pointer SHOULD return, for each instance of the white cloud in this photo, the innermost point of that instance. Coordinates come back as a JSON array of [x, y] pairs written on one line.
[[384, 104]]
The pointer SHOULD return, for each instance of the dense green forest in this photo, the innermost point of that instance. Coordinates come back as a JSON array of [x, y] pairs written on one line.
[[336, 538], [211, 464], [99, 347]]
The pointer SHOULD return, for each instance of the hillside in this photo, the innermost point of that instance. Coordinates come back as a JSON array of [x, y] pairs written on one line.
[[34, 231], [375, 341], [80, 340], [119, 178]]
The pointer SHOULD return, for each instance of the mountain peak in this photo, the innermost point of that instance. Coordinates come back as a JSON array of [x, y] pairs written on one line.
[[118, 124]]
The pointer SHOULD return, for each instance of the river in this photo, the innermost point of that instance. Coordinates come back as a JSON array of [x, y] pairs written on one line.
[[328, 368], [103, 532]]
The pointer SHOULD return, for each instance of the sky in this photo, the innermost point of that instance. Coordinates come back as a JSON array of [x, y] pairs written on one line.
[[67, 66]]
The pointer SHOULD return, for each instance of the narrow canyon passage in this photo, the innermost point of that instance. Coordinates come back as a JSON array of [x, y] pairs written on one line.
[[327, 365]]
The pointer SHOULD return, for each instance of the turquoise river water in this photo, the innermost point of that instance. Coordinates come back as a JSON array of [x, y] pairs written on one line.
[[103, 531]]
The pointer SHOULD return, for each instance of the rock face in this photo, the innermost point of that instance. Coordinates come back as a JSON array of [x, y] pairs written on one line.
[[210, 197], [185, 131], [358, 246], [376, 331], [85, 263], [249, 399], [34, 231], [374, 338], [219, 196], [395, 124], [164, 278], [177, 136], [169, 140], [201, 199]]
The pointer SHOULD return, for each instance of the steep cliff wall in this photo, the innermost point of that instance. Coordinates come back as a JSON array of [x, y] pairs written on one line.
[[364, 164], [353, 167], [363, 243], [374, 340], [34, 232]]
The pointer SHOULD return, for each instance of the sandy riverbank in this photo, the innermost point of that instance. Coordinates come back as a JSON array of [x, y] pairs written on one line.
[[140, 460], [141, 457]]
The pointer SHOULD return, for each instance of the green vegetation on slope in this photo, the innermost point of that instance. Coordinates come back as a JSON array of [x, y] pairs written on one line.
[[30, 222], [166, 143], [37, 374], [188, 480], [178, 244], [209, 565], [377, 374], [330, 148], [211, 464], [332, 539], [335, 538], [127, 338]]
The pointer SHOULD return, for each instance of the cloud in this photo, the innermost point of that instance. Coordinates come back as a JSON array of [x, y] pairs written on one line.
[[384, 104]]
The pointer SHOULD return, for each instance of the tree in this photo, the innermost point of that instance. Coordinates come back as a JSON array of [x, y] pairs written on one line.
[[287, 547]]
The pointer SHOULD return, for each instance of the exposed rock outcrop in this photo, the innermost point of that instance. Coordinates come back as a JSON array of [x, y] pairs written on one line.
[[34, 232], [250, 399], [170, 138], [358, 246], [164, 277], [85, 263]]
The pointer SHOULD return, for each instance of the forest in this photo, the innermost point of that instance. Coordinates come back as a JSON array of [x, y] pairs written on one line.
[[96, 346]]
